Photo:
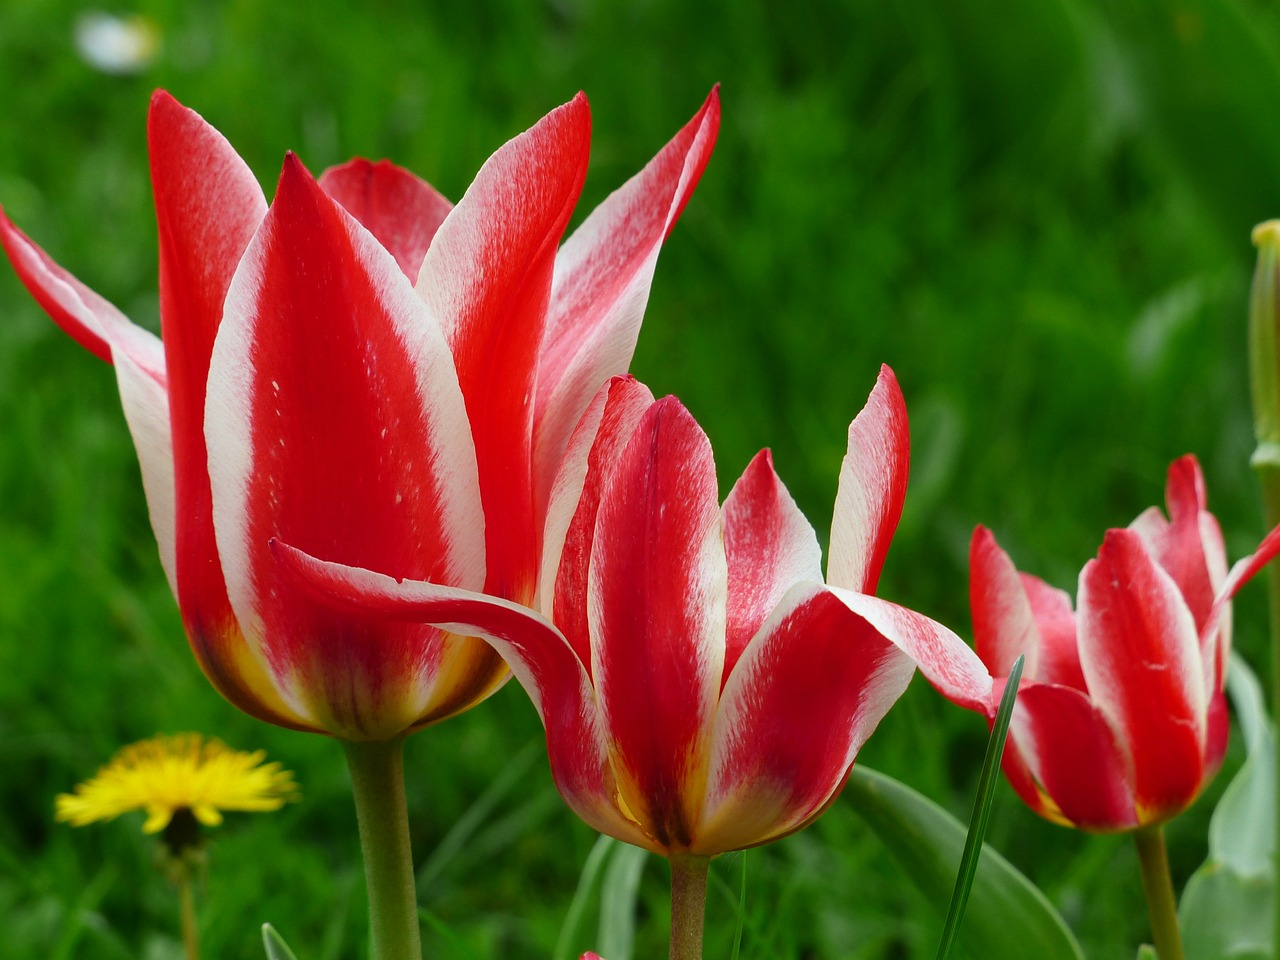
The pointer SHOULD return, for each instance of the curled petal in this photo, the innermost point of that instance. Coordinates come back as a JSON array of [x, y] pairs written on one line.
[[402, 210], [601, 285], [1141, 659], [946, 661], [89, 319], [656, 610], [873, 487], [807, 692], [769, 545], [539, 656], [1244, 570]]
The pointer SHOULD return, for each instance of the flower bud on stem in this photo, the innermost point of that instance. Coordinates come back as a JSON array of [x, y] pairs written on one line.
[[1264, 375]]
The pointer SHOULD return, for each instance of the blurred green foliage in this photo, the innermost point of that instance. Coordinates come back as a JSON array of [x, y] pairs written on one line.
[[1037, 213]]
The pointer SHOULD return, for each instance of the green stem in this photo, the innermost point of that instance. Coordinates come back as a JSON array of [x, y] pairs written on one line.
[[1266, 465], [190, 941], [1158, 886], [377, 780], [688, 905]]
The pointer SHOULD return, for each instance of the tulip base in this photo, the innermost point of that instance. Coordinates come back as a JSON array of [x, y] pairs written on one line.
[[1158, 887], [377, 780], [688, 905]]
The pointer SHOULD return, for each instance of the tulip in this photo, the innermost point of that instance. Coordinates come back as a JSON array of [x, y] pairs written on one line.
[[412, 429], [702, 688], [377, 376], [1121, 718]]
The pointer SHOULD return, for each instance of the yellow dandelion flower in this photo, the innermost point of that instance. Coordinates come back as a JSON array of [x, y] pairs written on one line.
[[166, 775]]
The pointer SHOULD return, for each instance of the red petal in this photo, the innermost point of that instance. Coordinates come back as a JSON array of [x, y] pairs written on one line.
[[806, 694], [656, 606], [945, 660], [571, 519], [1075, 755], [1056, 623], [487, 279], [89, 319], [335, 421], [400, 209], [602, 279], [873, 486], [540, 659], [1179, 545], [207, 207], [769, 546], [1004, 626], [1141, 660]]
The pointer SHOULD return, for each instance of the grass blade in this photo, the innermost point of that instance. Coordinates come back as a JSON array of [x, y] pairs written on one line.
[[981, 814], [578, 906]]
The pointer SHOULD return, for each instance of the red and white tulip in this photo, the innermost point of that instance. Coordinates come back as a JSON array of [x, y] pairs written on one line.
[[375, 375], [1121, 718], [702, 688]]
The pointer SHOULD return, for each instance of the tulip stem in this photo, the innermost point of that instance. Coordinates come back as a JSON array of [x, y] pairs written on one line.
[[1158, 886], [377, 780], [688, 905]]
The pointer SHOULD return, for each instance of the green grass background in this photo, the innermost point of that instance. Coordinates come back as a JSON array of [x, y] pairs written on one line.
[[1037, 213]]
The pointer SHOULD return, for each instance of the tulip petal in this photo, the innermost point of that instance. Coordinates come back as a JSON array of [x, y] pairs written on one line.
[[487, 280], [1141, 659], [335, 421], [1178, 544], [539, 656], [602, 278], [207, 207], [571, 518], [1056, 623], [946, 661], [806, 694], [873, 486], [769, 545], [1004, 626], [656, 608], [402, 210], [1244, 570], [146, 410], [89, 319], [1075, 756]]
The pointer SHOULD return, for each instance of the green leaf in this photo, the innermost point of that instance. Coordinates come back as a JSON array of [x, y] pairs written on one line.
[[1147, 952], [1226, 915], [618, 894], [1008, 917], [275, 946], [981, 812]]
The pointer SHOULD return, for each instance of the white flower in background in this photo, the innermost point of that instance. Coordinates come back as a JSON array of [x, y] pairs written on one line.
[[116, 44]]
